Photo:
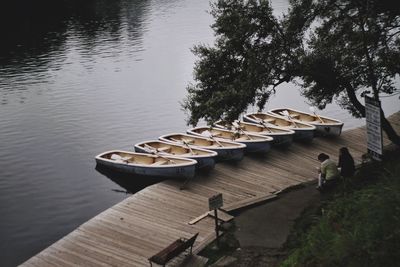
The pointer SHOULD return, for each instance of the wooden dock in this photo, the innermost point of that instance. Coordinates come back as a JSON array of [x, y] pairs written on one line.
[[143, 224]]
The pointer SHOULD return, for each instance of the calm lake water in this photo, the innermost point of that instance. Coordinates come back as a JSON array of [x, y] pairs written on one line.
[[77, 79]]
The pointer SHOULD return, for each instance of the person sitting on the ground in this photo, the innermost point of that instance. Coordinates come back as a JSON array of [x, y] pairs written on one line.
[[328, 172], [346, 163]]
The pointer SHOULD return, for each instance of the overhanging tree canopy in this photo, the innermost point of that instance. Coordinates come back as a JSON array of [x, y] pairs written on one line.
[[334, 49]]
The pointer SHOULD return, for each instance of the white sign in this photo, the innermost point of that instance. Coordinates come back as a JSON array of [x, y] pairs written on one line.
[[215, 202], [374, 130]]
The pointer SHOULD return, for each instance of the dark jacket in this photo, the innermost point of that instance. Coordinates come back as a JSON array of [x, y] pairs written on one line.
[[346, 163]]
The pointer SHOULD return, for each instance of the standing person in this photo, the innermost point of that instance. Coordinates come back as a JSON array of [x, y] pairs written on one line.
[[328, 173], [346, 163]]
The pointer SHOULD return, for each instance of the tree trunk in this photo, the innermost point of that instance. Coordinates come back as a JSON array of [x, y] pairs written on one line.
[[386, 126], [353, 99], [390, 132]]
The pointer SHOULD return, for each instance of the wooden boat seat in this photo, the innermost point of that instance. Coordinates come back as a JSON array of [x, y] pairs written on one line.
[[188, 141], [144, 160], [130, 160], [269, 120], [164, 149], [295, 116], [160, 162]]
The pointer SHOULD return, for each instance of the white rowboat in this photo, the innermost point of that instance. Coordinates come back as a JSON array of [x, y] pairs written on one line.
[[281, 137], [303, 131], [324, 125], [226, 150], [147, 164], [254, 143], [205, 158]]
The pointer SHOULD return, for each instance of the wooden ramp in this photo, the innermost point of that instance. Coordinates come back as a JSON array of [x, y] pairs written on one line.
[[143, 224]]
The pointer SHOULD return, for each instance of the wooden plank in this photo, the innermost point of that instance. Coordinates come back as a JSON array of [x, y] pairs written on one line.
[[46, 257], [221, 215], [248, 202], [98, 250]]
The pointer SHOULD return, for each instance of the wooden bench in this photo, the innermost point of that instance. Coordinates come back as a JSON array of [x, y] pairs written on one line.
[[173, 250]]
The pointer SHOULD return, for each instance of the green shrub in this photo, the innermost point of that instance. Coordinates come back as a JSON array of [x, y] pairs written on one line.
[[361, 228]]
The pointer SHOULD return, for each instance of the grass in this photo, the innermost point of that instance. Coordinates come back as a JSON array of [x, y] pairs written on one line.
[[356, 225]]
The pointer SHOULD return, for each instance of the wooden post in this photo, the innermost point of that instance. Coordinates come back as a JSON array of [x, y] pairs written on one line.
[[214, 203], [216, 225]]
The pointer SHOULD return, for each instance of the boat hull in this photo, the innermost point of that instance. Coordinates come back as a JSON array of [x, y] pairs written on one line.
[[169, 171], [229, 154], [258, 147], [303, 135], [328, 130], [282, 140]]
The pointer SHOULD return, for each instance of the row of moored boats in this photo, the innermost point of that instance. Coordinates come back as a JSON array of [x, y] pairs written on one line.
[[179, 155]]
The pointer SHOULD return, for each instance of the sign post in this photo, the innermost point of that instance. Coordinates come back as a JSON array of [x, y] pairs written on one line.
[[374, 129], [215, 202]]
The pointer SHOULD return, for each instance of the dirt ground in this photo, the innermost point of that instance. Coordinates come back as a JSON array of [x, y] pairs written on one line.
[[263, 230]]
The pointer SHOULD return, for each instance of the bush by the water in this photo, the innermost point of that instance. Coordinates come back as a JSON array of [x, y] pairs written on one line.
[[359, 228]]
